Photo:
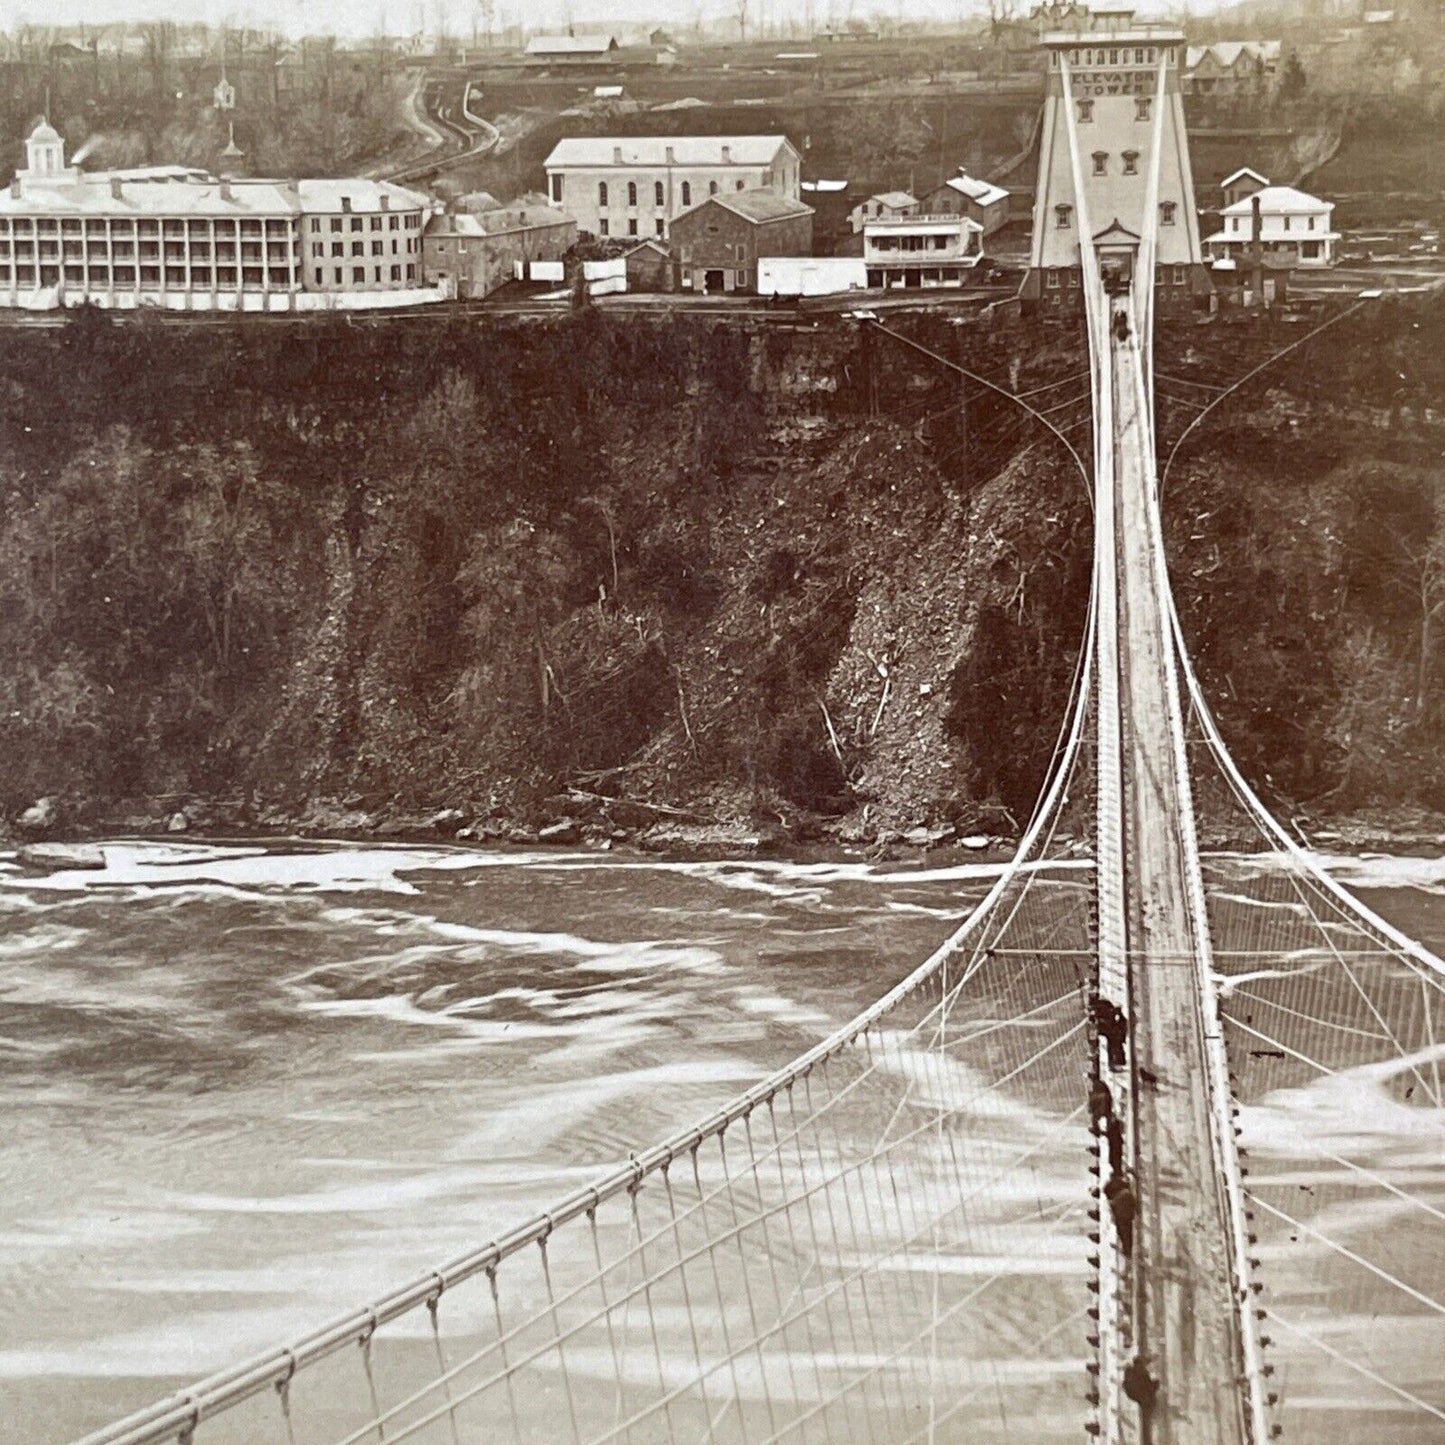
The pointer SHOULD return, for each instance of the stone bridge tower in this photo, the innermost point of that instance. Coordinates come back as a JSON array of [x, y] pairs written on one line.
[[1111, 64]]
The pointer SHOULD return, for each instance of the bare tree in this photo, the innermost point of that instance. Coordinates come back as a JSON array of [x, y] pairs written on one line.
[[740, 9], [1000, 14], [1421, 578]]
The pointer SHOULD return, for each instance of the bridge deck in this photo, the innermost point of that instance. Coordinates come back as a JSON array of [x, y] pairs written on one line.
[[1186, 1317]]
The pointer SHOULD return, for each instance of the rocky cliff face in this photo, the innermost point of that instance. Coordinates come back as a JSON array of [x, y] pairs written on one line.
[[753, 573]]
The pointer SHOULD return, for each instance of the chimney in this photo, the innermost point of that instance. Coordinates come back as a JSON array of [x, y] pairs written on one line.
[[385, 201], [671, 156], [346, 203], [226, 189], [727, 155], [1256, 244], [115, 193], [15, 188], [616, 155]]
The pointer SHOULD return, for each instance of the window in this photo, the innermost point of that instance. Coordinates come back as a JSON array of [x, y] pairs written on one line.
[[376, 223], [556, 188], [658, 195], [338, 275], [377, 271], [1139, 56], [1142, 104], [1166, 213], [1179, 275], [336, 223], [687, 193], [358, 248], [377, 247], [1312, 223], [393, 223], [1062, 216], [741, 186], [661, 226], [396, 273], [632, 193], [742, 278], [602, 194], [358, 273], [411, 273], [632, 225], [1286, 222], [602, 227], [1131, 163], [1052, 278], [316, 225], [356, 223], [338, 248], [318, 248], [1113, 57], [712, 188], [1101, 163], [1086, 111]]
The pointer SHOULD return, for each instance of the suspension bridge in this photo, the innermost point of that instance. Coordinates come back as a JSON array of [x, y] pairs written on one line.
[[1110, 1164]]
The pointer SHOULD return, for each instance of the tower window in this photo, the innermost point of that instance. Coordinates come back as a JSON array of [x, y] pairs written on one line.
[[1101, 163], [1142, 106], [1131, 163], [1086, 111], [1166, 213], [1062, 215]]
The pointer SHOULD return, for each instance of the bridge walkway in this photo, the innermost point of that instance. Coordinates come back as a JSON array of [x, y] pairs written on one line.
[[1186, 1311]]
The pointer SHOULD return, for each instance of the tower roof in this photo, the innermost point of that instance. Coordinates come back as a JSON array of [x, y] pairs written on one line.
[[44, 132]]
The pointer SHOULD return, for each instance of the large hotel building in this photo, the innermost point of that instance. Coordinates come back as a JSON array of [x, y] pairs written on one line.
[[179, 237]]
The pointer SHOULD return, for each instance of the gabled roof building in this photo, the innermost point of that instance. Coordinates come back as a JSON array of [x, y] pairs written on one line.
[[1291, 227], [966, 195], [719, 242], [624, 186], [886, 203]]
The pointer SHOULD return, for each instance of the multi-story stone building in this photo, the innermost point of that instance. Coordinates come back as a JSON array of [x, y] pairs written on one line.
[[178, 236], [474, 248], [623, 186], [719, 242], [1112, 65]]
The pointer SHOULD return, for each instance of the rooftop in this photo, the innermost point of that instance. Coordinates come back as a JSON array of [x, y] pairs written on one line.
[[895, 199], [182, 191], [929, 224], [761, 205], [1278, 200], [571, 44], [497, 221], [984, 192], [661, 150]]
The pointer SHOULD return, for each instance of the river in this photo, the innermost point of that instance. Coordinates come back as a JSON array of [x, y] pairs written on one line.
[[248, 1086]]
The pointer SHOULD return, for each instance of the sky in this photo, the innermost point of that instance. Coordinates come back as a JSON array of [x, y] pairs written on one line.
[[366, 17]]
